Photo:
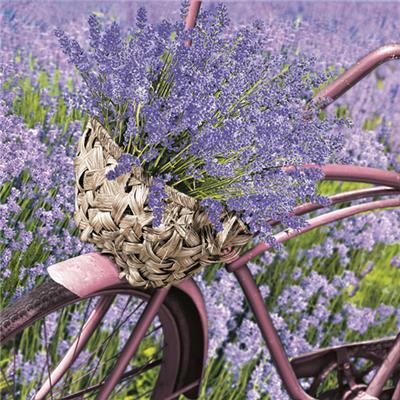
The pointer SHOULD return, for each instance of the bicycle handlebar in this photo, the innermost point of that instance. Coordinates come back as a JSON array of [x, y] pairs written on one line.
[[345, 81], [355, 73]]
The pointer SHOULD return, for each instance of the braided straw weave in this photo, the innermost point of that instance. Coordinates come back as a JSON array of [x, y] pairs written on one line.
[[115, 216]]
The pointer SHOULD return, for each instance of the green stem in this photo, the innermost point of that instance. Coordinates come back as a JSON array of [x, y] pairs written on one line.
[[169, 163], [182, 180]]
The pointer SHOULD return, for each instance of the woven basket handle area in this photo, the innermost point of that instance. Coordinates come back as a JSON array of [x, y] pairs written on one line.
[[112, 149]]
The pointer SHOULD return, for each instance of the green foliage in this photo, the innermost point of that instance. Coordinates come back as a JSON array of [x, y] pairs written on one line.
[[382, 285]]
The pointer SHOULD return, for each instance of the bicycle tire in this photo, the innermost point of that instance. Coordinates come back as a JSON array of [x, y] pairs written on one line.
[[51, 296]]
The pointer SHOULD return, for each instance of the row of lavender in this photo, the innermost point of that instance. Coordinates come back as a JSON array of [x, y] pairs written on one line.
[[37, 153]]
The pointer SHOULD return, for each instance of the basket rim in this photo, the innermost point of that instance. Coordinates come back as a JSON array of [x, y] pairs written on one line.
[[140, 173], [194, 242]]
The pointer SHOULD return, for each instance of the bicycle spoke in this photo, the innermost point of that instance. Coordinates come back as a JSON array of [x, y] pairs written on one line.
[[80, 330], [43, 389], [91, 358], [7, 383], [86, 331], [134, 340], [128, 374], [101, 363], [120, 352], [123, 384], [83, 322], [145, 367], [116, 327], [145, 394], [183, 390], [59, 320], [103, 346], [47, 361], [158, 327]]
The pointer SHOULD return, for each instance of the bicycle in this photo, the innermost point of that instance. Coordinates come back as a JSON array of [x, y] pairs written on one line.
[[179, 311]]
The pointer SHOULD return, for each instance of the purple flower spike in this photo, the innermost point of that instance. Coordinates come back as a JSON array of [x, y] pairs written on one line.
[[157, 195], [214, 211], [125, 164]]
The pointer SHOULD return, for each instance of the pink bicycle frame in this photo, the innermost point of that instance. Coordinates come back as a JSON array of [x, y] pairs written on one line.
[[338, 173], [103, 274]]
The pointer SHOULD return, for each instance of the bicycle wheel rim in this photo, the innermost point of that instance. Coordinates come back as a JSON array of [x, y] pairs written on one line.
[[163, 384]]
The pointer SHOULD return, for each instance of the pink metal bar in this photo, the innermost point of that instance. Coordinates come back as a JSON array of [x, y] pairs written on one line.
[[72, 354], [354, 74], [385, 370], [270, 335], [194, 8], [190, 21], [176, 394], [396, 394], [353, 173], [344, 197], [313, 223], [134, 340]]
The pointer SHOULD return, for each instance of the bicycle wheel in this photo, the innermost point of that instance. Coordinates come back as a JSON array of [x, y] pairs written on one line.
[[341, 372], [56, 345]]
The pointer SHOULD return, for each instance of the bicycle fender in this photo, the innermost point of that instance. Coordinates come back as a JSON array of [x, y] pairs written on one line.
[[94, 272], [85, 274], [195, 341]]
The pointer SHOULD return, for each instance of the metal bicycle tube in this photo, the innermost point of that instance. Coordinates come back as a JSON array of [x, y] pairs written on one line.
[[396, 394], [72, 354], [253, 295], [271, 337], [355, 73], [193, 12], [355, 173], [191, 17], [385, 370], [133, 342], [312, 224], [342, 198]]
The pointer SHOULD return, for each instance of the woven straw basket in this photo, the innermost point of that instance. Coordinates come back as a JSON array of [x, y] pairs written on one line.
[[115, 216]]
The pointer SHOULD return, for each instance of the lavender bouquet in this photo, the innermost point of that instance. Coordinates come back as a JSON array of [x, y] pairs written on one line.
[[218, 121]]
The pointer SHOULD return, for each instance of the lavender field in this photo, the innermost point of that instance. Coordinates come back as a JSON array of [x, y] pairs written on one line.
[[336, 284]]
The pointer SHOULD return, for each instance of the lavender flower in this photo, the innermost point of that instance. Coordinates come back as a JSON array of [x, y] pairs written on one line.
[[214, 210], [395, 262], [157, 195], [125, 164], [359, 319], [222, 114], [28, 48]]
